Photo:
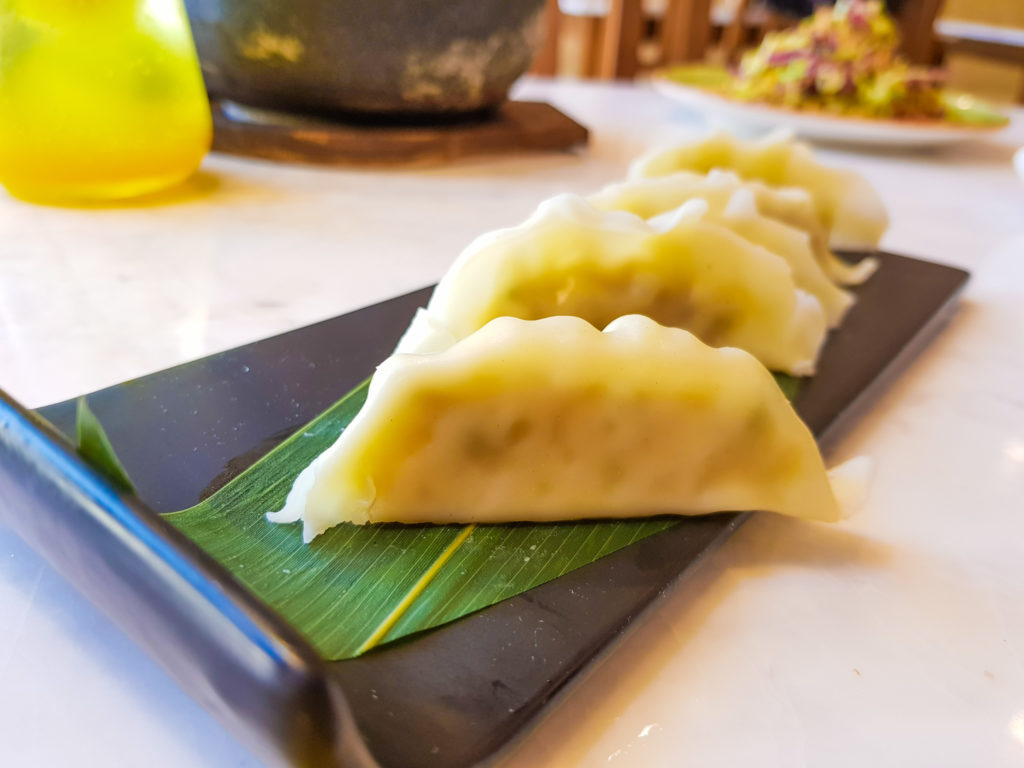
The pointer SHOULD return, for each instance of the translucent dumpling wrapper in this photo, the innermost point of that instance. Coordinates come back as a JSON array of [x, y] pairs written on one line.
[[846, 203], [569, 258], [792, 206], [553, 419], [740, 215], [733, 204]]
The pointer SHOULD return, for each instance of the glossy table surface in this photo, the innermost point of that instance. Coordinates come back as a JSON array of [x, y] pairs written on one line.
[[895, 638]]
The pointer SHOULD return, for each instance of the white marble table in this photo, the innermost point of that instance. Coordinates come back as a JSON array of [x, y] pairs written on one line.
[[893, 639]]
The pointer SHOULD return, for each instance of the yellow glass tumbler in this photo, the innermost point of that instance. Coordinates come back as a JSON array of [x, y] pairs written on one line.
[[99, 99]]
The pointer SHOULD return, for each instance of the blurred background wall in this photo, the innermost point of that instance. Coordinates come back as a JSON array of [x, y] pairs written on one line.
[[985, 77]]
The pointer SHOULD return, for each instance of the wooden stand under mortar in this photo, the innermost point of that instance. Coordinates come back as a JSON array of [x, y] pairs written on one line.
[[516, 126]]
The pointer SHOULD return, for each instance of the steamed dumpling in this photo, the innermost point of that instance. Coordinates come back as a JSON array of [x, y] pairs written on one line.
[[553, 419], [734, 204], [792, 206], [683, 271], [847, 205], [741, 216]]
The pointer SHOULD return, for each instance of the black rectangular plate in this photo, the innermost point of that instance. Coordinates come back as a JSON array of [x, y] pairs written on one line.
[[442, 699]]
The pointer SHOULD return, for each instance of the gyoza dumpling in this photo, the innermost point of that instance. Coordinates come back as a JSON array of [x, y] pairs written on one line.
[[741, 216], [569, 258], [552, 419], [847, 204], [734, 204], [649, 197]]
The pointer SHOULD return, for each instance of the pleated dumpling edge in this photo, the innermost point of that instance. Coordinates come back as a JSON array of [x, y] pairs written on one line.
[[847, 205], [682, 269], [552, 419]]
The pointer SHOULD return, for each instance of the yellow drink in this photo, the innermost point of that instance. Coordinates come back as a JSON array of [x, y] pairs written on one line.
[[99, 99]]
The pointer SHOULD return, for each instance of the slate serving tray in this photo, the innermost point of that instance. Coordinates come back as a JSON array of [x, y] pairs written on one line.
[[448, 698]]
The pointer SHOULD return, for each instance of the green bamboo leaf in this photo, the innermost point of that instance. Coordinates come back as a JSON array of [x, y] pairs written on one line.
[[356, 587], [94, 446], [789, 385]]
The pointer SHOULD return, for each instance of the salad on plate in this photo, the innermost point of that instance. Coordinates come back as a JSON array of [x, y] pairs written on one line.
[[842, 61]]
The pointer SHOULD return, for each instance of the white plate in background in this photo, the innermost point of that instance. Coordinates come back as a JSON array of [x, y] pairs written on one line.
[[750, 118]]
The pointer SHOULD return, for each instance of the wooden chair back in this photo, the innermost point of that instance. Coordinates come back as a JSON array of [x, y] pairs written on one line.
[[917, 28], [610, 42]]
